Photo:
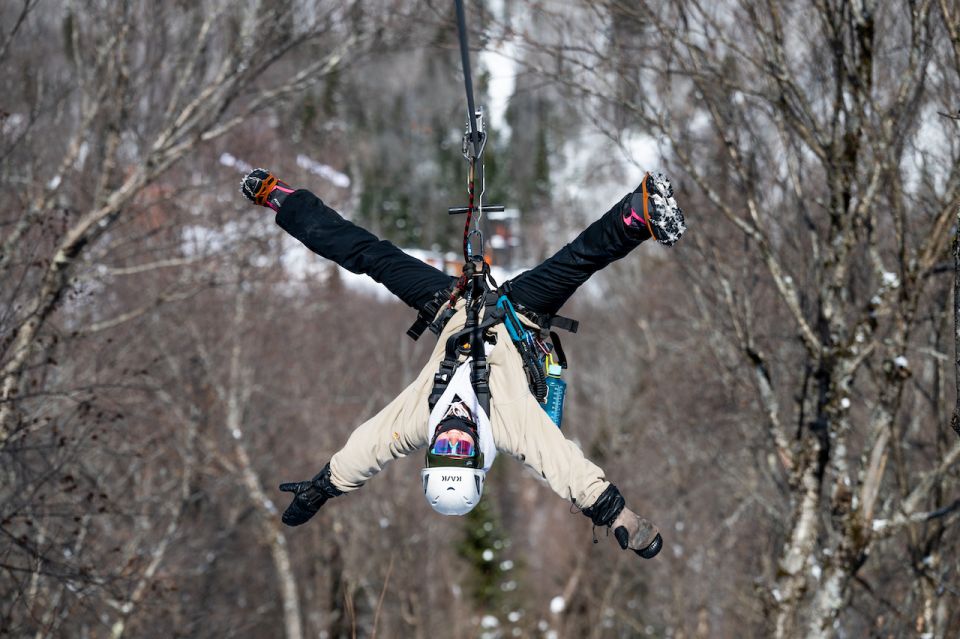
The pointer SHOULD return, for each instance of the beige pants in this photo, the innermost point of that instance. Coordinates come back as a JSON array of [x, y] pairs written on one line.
[[520, 427]]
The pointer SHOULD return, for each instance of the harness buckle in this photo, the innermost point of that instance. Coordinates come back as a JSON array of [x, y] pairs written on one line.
[[436, 326]]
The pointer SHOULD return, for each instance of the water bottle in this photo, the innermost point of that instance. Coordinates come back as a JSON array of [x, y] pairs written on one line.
[[556, 390]]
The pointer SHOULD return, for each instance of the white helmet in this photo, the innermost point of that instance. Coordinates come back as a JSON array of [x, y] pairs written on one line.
[[451, 490]]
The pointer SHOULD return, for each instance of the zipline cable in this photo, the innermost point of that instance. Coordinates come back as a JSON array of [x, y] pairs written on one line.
[[473, 142], [467, 79]]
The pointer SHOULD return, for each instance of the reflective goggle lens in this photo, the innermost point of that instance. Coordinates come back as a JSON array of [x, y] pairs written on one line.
[[445, 446]]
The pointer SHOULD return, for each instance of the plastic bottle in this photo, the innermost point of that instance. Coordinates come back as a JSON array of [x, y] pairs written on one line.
[[556, 390]]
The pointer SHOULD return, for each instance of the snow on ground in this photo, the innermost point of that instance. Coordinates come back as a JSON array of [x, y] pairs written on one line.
[[325, 171], [303, 265], [557, 604], [232, 161], [930, 147], [636, 154]]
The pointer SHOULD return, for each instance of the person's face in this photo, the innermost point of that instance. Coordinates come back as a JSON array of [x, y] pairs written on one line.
[[454, 443]]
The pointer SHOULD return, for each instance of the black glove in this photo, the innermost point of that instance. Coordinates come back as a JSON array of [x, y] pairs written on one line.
[[308, 497], [630, 530]]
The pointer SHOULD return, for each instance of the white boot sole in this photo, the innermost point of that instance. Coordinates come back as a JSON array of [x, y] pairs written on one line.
[[666, 218]]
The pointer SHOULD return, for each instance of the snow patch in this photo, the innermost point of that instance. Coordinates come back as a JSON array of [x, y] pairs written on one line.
[[501, 66], [489, 621], [900, 361], [642, 149], [890, 279], [325, 171], [487, 555], [236, 433], [557, 604], [201, 241], [845, 403], [226, 159], [12, 124], [700, 122]]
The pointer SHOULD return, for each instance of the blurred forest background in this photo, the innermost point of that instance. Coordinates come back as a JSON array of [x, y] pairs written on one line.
[[775, 391]]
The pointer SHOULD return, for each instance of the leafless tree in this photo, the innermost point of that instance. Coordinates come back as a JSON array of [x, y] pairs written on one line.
[[821, 188], [108, 139], [139, 115], [775, 391]]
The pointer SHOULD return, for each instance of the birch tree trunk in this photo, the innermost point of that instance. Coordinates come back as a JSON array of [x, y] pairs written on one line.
[[237, 395]]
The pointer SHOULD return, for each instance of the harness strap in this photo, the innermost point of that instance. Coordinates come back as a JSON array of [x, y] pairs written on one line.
[[558, 347], [426, 315], [564, 323], [481, 369], [546, 321], [478, 293]]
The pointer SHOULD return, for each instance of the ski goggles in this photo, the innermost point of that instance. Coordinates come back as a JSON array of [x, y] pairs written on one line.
[[455, 446]]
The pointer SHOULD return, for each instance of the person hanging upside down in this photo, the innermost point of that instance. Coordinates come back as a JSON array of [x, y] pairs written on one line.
[[460, 437]]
